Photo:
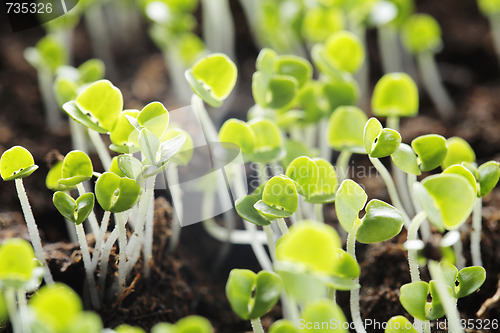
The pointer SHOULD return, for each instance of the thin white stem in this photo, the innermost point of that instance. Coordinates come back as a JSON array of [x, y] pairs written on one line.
[[283, 226], [432, 82], [475, 237], [218, 26], [148, 238], [99, 245], [425, 228], [101, 148], [362, 76], [342, 165], [389, 49], [15, 320], [458, 249], [271, 245], [448, 301], [391, 188], [235, 237], [319, 212], [108, 246], [22, 307], [173, 181], [53, 115], [92, 219], [310, 133], [209, 129], [176, 70], [326, 151], [257, 325], [412, 253], [87, 262], [70, 227], [122, 264], [78, 136], [258, 248], [354, 299], [33, 230]]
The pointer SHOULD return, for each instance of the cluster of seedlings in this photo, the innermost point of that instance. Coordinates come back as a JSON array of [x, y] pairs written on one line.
[[296, 123]]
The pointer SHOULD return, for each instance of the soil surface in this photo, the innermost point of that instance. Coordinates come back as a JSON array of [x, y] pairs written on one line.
[[184, 282]]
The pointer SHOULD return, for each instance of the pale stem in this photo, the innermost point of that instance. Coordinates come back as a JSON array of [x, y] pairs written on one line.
[[354, 299], [209, 129], [92, 219], [15, 320], [326, 151], [319, 212], [148, 238], [122, 264], [102, 150], [176, 72], [342, 165], [475, 237], [33, 230], [218, 26], [362, 76], [432, 82], [310, 133], [87, 262], [425, 228], [448, 301], [270, 241], [71, 231], [459, 253], [78, 136], [173, 179], [399, 175], [389, 49], [283, 226], [412, 252], [236, 237], [108, 246], [53, 115], [391, 188], [99, 245], [257, 325]]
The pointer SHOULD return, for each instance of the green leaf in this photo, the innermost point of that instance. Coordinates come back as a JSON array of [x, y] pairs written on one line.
[[163, 328], [283, 326], [295, 66], [346, 265], [266, 61], [169, 148], [17, 263], [103, 101], [279, 92], [421, 33], [489, 7], [469, 280], [453, 196], [429, 205], [431, 150], [130, 166], [252, 295], [193, 324], [371, 132], [345, 51], [86, 322], [321, 311], [64, 90], [76, 168], [124, 134], [245, 208], [396, 95], [320, 22], [86, 120], [458, 151], [280, 192], [489, 174], [74, 211], [268, 140], [213, 78], [53, 177], [450, 274], [378, 141], [293, 150], [154, 117], [56, 307], [16, 162], [238, 132], [349, 201], [185, 153], [345, 129], [116, 194], [150, 145], [124, 328], [341, 92], [399, 324], [327, 183], [464, 172], [91, 70], [310, 245], [405, 159], [304, 171], [413, 297], [48, 54], [312, 101], [381, 222]]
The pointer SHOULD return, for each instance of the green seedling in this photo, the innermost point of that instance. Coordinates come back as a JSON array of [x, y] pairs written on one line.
[[76, 168], [341, 92], [431, 150], [55, 307], [311, 255], [395, 96], [17, 163], [252, 295], [381, 222], [399, 324], [345, 134], [316, 314], [185, 325], [321, 22], [87, 322], [53, 177], [124, 328], [46, 57], [459, 151], [245, 208], [421, 35], [213, 78], [279, 198], [491, 9], [116, 194], [378, 141]]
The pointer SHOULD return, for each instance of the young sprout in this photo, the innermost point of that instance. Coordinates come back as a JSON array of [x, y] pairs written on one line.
[[345, 134], [98, 108], [55, 308], [218, 26], [283, 326], [185, 325], [421, 35], [17, 163], [380, 223], [320, 22], [19, 273], [399, 324], [316, 314], [252, 295], [47, 56], [459, 151], [491, 9]]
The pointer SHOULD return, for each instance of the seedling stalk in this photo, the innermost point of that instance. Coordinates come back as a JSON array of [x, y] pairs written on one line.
[[389, 49], [257, 325], [354, 300], [122, 243], [89, 270], [412, 252], [92, 219], [52, 113], [475, 237], [102, 151]]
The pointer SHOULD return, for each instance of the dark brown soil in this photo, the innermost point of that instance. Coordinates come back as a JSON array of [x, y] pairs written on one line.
[[184, 282]]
